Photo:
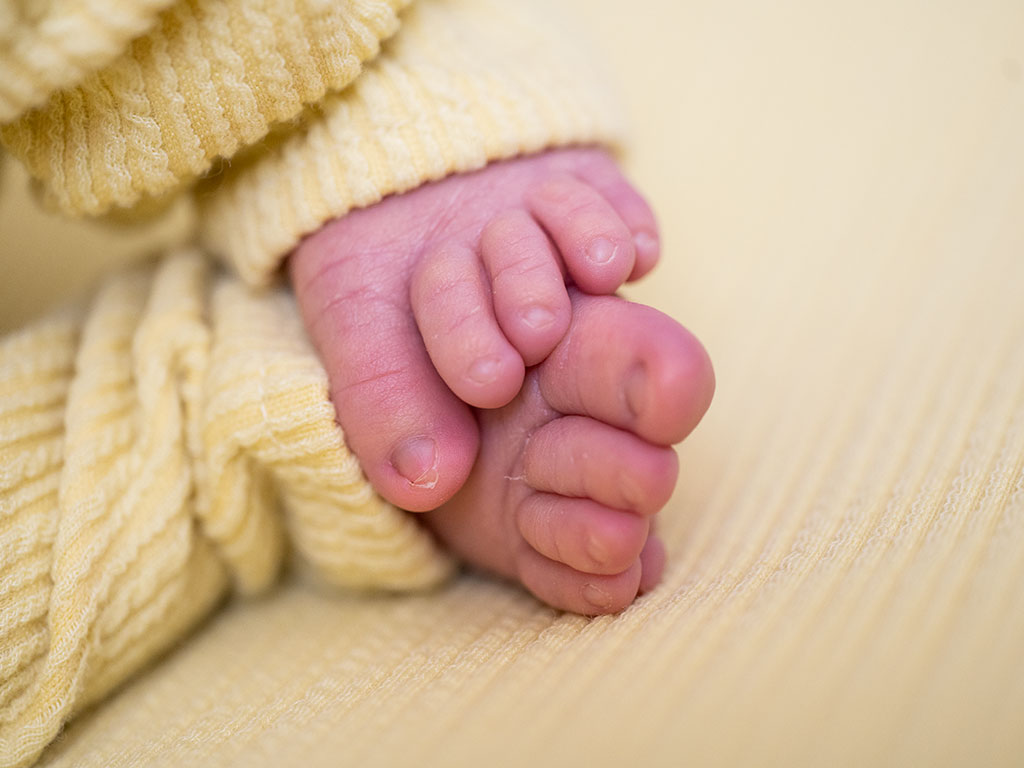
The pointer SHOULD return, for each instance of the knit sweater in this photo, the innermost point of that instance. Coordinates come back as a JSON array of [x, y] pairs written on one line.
[[171, 440]]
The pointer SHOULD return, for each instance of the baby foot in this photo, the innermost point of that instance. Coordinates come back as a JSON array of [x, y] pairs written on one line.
[[570, 474], [437, 300]]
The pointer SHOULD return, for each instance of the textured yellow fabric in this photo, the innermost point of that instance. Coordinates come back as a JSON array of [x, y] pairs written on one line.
[[51, 44], [174, 441], [212, 77], [840, 189], [466, 82], [145, 447]]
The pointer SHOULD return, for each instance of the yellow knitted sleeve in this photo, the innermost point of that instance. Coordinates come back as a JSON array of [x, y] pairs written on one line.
[[465, 82], [278, 105], [210, 77], [157, 450], [49, 45]]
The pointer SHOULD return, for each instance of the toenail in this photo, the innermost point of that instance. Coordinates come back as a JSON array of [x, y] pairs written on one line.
[[416, 461], [485, 370], [538, 317], [597, 597], [601, 250], [645, 242], [636, 390], [597, 550], [630, 490]]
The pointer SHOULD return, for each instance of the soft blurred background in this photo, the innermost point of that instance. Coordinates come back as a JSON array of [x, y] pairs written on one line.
[[47, 260], [841, 191]]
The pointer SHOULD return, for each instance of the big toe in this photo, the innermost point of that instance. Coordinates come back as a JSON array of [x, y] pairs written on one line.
[[630, 366], [414, 439]]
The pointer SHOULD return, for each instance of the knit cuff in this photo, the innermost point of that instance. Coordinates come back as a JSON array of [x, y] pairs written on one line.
[[212, 77], [47, 46], [465, 82]]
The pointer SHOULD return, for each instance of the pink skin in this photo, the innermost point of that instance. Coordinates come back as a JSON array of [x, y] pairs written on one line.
[[571, 473], [436, 301], [428, 308]]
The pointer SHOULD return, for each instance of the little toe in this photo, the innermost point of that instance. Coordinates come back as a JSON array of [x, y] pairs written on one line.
[[452, 305], [565, 588], [652, 564], [601, 171], [580, 457], [527, 284], [587, 536], [414, 439], [630, 366], [594, 242]]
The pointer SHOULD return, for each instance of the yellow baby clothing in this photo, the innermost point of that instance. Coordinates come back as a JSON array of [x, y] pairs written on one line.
[[172, 439]]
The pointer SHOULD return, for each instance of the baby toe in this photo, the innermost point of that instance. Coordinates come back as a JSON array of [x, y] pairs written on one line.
[[527, 284], [597, 168], [452, 305], [582, 534], [414, 439], [580, 457], [629, 366], [563, 587], [594, 242], [652, 564]]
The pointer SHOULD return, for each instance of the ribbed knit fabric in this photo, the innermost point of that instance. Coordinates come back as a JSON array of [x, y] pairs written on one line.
[[466, 82], [846, 545], [214, 76], [51, 44], [144, 464], [840, 191], [175, 441]]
